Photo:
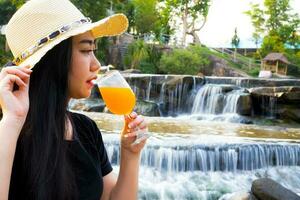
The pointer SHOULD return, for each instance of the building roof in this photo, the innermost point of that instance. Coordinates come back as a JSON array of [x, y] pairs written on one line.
[[275, 57]]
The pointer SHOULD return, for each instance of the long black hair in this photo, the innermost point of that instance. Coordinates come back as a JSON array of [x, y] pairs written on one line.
[[42, 146]]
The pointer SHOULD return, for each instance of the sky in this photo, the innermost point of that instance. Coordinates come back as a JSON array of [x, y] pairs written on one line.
[[224, 16]]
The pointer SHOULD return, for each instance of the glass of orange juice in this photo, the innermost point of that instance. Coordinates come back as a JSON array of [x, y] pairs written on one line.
[[118, 97]]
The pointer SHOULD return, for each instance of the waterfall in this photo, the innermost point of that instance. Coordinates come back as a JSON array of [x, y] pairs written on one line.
[[231, 101], [207, 99], [148, 92], [268, 106], [273, 107], [194, 83], [214, 157], [175, 99], [162, 93]]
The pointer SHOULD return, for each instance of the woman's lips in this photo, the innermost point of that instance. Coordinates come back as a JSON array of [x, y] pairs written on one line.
[[90, 83]]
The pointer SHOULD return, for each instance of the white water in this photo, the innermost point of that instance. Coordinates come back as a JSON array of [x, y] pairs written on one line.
[[163, 180], [207, 99], [174, 137]]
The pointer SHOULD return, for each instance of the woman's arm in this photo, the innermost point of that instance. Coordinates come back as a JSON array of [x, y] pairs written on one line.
[[9, 132], [125, 187], [14, 104]]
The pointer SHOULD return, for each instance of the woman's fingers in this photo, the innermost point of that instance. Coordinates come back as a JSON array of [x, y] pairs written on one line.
[[134, 123], [11, 79], [21, 72]]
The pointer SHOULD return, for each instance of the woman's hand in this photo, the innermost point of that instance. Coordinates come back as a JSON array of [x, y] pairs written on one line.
[[133, 122], [14, 103]]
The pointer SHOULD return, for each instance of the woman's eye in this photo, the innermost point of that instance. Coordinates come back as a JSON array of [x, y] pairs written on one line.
[[89, 51]]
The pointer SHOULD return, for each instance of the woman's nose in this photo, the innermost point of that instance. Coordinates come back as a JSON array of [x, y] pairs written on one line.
[[95, 65]]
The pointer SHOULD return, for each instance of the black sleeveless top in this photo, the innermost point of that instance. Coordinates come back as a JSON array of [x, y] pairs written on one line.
[[88, 158]]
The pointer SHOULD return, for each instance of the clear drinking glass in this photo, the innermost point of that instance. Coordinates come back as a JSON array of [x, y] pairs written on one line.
[[118, 97]]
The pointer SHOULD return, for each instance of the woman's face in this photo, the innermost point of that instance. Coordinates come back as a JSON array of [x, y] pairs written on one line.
[[84, 66]]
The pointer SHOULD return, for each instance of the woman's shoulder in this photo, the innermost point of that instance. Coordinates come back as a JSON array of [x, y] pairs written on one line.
[[80, 117], [85, 127]]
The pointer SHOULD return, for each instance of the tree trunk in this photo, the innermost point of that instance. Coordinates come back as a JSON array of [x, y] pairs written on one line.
[[184, 24]]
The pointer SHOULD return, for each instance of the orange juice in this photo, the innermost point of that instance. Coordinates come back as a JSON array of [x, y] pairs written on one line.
[[118, 100]]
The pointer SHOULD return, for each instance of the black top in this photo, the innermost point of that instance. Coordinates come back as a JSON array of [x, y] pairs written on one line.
[[88, 158]]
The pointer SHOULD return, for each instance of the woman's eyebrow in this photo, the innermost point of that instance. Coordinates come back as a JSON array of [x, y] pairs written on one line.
[[90, 42]]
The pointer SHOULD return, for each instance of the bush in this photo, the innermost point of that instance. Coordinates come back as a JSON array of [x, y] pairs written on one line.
[[184, 61], [142, 56], [136, 52], [147, 68], [254, 72], [294, 59]]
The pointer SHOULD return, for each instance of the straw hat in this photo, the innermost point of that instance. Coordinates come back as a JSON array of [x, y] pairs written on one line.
[[39, 25]]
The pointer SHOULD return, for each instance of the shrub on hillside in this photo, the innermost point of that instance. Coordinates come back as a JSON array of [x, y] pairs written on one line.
[[184, 61]]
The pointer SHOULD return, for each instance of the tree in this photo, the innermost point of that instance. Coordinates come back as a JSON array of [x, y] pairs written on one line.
[[146, 15], [193, 15], [136, 52], [126, 7], [94, 9], [8, 8], [275, 24], [235, 41]]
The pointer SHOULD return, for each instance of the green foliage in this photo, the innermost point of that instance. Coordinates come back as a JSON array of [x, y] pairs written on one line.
[[136, 52], [192, 13], [254, 72], [201, 52], [294, 58], [126, 7], [163, 29], [94, 9], [275, 24], [184, 61], [147, 68], [142, 56], [4, 56], [271, 44], [7, 9], [146, 15], [154, 56]]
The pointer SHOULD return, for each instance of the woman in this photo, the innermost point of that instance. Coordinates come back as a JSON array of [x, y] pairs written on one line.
[[47, 152]]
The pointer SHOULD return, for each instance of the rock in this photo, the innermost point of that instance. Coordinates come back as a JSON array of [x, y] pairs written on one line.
[[244, 105], [284, 93], [290, 113], [89, 104], [220, 67], [267, 189], [253, 82], [147, 108], [229, 88]]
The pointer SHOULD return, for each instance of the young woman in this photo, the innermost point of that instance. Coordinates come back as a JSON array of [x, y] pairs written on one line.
[[46, 151]]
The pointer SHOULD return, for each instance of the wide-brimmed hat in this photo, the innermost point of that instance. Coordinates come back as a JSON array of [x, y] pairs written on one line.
[[39, 25]]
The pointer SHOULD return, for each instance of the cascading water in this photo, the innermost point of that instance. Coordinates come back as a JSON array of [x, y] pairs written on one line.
[[199, 156], [207, 100], [196, 168], [213, 102], [149, 89], [231, 101]]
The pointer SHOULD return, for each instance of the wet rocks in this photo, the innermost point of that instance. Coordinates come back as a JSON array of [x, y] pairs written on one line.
[[268, 189]]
